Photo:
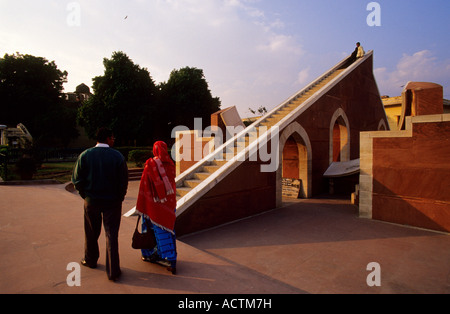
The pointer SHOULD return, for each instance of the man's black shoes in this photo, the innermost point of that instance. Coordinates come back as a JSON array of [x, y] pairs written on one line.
[[86, 264]]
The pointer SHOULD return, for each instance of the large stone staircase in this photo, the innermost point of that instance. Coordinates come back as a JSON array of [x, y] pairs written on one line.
[[236, 179], [189, 182]]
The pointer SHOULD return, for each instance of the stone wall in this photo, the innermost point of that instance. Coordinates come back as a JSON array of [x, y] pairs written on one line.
[[405, 174]]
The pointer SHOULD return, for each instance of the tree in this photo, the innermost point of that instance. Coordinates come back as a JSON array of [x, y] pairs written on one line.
[[124, 99], [261, 110], [185, 97], [30, 92]]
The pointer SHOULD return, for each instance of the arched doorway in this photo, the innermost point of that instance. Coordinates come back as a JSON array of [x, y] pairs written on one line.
[[295, 159], [340, 140], [294, 168], [339, 151], [339, 137]]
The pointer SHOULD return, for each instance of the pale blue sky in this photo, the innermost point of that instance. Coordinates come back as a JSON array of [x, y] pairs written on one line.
[[253, 52]]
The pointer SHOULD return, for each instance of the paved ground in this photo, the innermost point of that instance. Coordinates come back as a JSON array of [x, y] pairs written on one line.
[[311, 246]]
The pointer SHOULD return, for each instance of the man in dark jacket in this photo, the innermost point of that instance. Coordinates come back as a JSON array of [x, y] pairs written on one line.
[[101, 177]]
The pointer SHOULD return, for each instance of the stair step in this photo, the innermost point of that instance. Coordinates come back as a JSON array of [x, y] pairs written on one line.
[[306, 95], [288, 109], [268, 125], [219, 163], [192, 183], [211, 169], [181, 192], [273, 119], [202, 175], [279, 115]]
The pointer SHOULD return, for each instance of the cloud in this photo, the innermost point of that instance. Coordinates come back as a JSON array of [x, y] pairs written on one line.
[[303, 77], [243, 5], [422, 66], [248, 58]]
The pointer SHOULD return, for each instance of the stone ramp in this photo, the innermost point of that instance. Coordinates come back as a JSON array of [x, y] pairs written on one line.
[[195, 182], [212, 177]]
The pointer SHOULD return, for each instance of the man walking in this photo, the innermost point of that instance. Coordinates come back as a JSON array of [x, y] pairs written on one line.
[[101, 177]]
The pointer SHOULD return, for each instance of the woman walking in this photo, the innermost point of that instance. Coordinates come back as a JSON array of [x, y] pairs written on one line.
[[157, 204]]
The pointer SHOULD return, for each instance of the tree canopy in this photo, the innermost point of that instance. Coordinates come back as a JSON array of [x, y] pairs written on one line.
[[186, 96], [127, 100], [124, 99], [30, 93]]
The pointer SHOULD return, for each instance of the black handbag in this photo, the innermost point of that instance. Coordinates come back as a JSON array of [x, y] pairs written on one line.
[[143, 241]]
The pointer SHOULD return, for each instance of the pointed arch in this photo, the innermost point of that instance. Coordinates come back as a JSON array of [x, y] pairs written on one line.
[[382, 126], [295, 132], [339, 137]]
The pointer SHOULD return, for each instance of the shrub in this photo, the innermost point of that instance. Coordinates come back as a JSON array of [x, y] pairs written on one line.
[[125, 150], [140, 156], [26, 167]]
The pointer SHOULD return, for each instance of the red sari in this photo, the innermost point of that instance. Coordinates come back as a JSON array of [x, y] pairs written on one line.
[[157, 191]]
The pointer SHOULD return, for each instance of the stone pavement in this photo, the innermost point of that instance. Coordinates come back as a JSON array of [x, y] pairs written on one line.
[[316, 246]]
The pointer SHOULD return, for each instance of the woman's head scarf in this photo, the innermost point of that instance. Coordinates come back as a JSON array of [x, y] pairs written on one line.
[[157, 199]]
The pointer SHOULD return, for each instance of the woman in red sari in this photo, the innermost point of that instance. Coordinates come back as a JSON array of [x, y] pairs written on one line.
[[157, 204]]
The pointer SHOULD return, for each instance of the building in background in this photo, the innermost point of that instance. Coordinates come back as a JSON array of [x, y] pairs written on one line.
[[17, 137]]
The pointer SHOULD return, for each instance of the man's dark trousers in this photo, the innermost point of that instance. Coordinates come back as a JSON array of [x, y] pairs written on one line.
[[112, 214]]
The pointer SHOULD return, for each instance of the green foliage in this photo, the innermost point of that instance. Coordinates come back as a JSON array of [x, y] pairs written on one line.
[[4, 162], [140, 156], [26, 167], [124, 99], [186, 96], [125, 150], [30, 90]]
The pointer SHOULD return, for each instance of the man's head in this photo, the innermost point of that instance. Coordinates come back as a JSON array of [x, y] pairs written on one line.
[[358, 44], [105, 136]]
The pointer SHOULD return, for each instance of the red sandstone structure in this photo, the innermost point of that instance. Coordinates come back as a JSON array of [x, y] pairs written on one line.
[[331, 137], [315, 128], [405, 173]]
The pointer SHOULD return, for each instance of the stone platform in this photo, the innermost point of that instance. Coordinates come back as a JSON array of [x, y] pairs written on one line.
[[317, 246]]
